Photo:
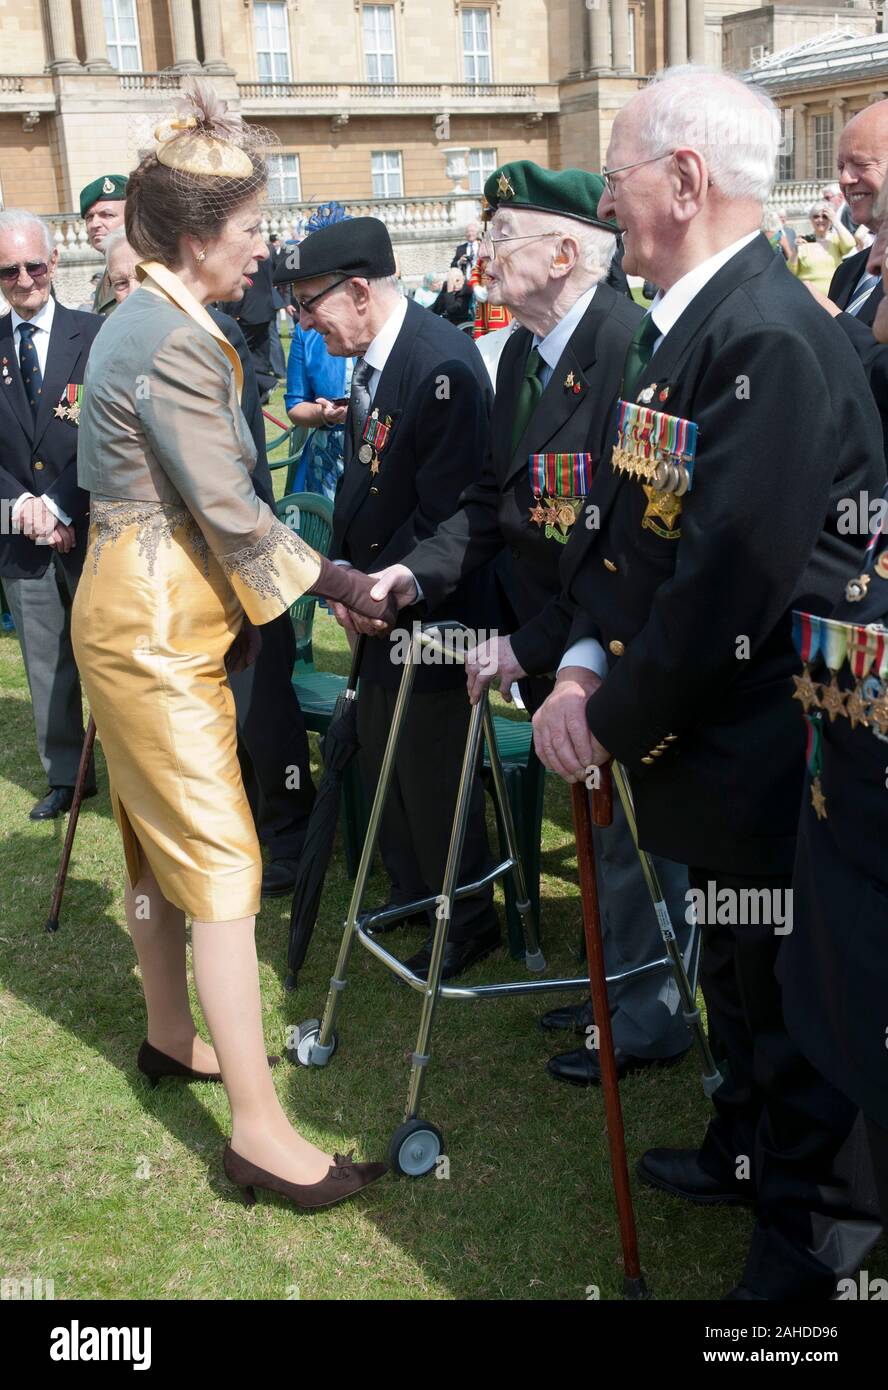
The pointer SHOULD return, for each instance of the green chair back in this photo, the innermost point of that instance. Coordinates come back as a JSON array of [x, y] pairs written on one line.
[[310, 515]]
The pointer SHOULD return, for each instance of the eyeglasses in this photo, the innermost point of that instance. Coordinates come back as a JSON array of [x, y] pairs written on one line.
[[607, 174], [36, 269], [494, 243], [305, 305]]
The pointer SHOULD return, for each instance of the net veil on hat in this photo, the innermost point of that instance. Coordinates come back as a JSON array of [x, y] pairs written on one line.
[[207, 146]]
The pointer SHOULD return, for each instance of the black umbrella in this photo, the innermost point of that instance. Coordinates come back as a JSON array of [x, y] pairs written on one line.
[[338, 747]]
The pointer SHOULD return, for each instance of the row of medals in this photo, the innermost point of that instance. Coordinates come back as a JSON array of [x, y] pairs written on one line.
[[866, 703], [665, 476]]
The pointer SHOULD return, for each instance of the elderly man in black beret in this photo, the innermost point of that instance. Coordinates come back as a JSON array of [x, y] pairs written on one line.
[[102, 204], [416, 428]]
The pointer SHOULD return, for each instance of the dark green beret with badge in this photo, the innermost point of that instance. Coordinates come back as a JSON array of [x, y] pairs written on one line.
[[567, 192], [110, 188]]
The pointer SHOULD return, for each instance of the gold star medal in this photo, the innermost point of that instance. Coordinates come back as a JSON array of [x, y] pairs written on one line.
[[661, 513], [832, 700], [818, 800], [855, 708], [61, 411], [806, 692]]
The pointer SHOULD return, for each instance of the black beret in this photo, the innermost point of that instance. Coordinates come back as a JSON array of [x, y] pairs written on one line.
[[360, 246]]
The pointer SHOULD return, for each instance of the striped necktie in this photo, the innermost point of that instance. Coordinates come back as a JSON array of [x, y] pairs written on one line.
[[865, 286], [359, 405], [29, 363]]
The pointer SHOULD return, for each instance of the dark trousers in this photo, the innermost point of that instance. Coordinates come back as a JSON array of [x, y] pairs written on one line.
[[798, 1138], [41, 610], [258, 336], [418, 819], [272, 744], [877, 1137]]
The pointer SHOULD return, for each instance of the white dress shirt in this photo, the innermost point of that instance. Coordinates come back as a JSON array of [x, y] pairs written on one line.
[[666, 309], [556, 340], [42, 321], [380, 349]]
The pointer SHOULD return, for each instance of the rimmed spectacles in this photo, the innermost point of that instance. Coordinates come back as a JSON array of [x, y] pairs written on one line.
[[36, 270], [607, 174], [305, 306], [493, 243]]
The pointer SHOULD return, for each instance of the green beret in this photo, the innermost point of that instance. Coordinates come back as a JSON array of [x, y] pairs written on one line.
[[568, 192], [110, 188]]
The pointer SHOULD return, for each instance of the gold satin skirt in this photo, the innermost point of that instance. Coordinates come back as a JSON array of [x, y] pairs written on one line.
[[153, 618]]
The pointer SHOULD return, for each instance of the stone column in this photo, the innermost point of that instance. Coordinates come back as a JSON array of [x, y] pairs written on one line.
[[620, 25], [838, 115], [211, 29], [800, 140], [94, 36], [676, 32], [184, 39], [599, 35], [61, 29], [697, 31]]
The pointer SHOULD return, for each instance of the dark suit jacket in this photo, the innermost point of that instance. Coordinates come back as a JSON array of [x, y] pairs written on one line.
[[874, 359], [42, 458], [844, 281], [461, 250], [249, 404], [437, 391], [698, 705], [834, 964], [495, 510], [257, 305]]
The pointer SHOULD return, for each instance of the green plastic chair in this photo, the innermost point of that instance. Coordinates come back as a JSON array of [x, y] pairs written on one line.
[[295, 438], [310, 515]]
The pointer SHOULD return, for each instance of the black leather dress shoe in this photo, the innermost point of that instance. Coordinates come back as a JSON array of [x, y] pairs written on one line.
[[57, 802], [678, 1172], [416, 919], [458, 955], [279, 877], [569, 1018], [582, 1067]]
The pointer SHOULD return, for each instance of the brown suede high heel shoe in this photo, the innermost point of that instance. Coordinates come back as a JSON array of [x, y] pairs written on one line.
[[344, 1179], [155, 1064]]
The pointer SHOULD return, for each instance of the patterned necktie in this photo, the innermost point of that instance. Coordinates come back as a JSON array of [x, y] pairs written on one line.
[[865, 286], [640, 351], [359, 402], [30, 366], [528, 396]]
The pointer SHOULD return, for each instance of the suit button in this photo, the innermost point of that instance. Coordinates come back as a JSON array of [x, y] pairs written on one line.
[[609, 565], [374, 492], [38, 463], [647, 760], [374, 546], [616, 648]]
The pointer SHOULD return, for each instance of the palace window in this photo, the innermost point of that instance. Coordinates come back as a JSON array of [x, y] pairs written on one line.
[[284, 184], [272, 40], [379, 43], [388, 174], [476, 45], [481, 165], [824, 156], [122, 35]]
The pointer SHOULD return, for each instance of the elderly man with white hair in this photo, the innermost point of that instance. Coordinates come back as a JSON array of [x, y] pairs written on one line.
[[743, 424], [557, 380], [43, 353]]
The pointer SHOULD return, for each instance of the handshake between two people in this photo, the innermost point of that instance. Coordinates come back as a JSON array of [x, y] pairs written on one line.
[[562, 737]]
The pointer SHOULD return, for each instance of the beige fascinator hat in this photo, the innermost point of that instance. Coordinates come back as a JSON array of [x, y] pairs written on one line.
[[204, 138]]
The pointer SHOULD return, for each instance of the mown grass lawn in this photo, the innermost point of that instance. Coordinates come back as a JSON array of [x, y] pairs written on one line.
[[113, 1190]]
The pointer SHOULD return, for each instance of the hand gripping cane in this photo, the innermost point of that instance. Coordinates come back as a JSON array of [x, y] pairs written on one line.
[[600, 813]]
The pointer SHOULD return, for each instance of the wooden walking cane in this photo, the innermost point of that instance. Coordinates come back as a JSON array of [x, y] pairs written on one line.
[[601, 813], [52, 921]]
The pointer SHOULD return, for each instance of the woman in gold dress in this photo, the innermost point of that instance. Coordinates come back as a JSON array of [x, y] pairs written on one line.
[[183, 559]]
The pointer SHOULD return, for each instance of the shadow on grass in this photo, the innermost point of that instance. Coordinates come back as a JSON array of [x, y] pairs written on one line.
[[20, 763]]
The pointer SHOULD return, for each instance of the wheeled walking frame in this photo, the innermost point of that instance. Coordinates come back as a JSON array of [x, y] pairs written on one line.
[[417, 1145]]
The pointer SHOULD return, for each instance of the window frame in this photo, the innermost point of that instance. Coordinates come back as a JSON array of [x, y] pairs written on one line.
[[279, 174], [474, 54], [115, 41], [483, 173], [378, 54], [267, 7], [384, 173]]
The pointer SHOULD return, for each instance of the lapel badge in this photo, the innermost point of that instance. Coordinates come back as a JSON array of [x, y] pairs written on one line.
[[647, 394], [664, 394], [856, 588], [569, 379]]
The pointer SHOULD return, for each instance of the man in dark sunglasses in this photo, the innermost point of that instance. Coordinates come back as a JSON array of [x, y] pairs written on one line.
[[43, 513]]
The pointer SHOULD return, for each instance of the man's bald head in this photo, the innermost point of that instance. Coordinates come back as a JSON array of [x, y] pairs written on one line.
[[863, 160]]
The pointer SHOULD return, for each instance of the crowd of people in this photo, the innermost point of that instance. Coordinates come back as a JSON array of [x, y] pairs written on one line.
[[667, 519]]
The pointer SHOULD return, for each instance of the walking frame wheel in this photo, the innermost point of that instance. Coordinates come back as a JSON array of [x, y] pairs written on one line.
[[415, 1148], [306, 1041]]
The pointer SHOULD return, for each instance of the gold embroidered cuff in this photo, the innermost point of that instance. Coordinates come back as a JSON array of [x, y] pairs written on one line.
[[271, 574]]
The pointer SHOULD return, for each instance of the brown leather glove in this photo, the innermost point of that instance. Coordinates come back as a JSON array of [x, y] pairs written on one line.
[[352, 588]]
